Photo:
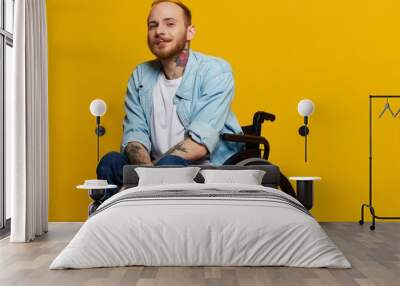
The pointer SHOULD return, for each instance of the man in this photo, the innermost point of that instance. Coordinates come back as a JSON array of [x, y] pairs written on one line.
[[177, 105]]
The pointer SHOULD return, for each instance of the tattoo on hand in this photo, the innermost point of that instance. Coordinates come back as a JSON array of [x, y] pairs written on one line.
[[135, 154], [177, 147]]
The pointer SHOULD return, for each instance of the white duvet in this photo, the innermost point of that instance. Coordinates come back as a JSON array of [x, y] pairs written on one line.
[[183, 231]]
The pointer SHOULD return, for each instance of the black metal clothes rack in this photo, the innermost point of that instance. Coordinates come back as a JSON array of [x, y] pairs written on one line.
[[370, 204]]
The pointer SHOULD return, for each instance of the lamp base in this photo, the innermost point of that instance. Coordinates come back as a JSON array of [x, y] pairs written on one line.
[[100, 130], [303, 130]]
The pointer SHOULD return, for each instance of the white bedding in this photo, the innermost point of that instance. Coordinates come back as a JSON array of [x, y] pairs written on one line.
[[190, 230]]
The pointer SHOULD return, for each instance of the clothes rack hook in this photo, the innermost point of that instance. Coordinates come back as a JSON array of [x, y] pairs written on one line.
[[387, 107]]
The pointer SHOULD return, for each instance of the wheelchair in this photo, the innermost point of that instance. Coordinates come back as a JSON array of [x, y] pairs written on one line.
[[251, 155]]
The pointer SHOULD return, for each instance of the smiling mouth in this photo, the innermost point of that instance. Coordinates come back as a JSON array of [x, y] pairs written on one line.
[[161, 42]]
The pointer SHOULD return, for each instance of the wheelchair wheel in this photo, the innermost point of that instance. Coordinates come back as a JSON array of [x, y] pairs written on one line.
[[284, 183]]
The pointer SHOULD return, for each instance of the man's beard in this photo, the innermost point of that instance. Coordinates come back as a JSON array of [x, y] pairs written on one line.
[[175, 50]]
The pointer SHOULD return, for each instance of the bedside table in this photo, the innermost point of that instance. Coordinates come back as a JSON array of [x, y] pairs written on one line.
[[96, 193], [304, 190]]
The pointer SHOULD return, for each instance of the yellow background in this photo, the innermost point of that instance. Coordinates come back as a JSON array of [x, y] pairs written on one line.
[[335, 53]]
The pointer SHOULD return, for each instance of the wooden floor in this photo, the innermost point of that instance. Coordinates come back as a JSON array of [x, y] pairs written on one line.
[[375, 257]]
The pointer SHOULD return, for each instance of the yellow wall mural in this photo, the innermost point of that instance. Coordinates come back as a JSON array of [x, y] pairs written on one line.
[[335, 53]]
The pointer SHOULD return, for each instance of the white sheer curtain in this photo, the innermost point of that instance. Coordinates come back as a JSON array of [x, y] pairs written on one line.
[[27, 124]]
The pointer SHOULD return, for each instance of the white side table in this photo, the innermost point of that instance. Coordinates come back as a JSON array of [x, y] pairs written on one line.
[[96, 193], [304, 190]]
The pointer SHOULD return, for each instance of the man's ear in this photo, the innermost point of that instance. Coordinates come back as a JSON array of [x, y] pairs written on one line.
[[190, 32]]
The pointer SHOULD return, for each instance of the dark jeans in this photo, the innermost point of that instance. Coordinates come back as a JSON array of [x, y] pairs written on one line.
[[111, 165]]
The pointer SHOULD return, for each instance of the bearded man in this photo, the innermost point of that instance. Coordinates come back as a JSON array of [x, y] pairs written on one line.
[[177, 105]]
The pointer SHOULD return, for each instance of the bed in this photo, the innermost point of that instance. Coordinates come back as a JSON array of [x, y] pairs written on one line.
[[201, 224]]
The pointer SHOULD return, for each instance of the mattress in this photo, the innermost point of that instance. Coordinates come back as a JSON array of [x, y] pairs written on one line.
[[201, 225]]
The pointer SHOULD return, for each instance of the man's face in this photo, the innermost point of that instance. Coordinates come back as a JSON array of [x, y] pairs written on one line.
[[166, 33]]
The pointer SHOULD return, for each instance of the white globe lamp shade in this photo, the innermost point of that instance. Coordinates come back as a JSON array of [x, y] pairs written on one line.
[[305, 107], [98, 107]]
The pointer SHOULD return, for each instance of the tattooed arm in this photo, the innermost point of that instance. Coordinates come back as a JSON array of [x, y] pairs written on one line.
[[187, 149], [137, 154]]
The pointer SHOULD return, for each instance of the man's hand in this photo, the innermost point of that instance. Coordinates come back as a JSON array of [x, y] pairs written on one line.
[[137, 154], [188, 149]]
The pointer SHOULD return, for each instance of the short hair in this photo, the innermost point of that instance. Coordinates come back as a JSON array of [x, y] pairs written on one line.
[[186, 10]]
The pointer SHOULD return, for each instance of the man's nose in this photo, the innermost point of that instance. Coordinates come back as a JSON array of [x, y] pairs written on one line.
[[160, 30]]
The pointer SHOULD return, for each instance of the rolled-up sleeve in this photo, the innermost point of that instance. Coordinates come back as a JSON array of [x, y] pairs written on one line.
[[135, 127], [211, 109]]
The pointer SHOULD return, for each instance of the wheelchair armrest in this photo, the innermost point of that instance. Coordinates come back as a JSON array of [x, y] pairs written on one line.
[[244, 138], [262, 115]]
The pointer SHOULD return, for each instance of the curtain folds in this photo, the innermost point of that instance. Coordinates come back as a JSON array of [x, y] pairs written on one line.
[[27, 124]]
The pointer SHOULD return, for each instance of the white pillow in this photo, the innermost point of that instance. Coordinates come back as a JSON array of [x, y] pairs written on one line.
[[249, 177], [162, 176]]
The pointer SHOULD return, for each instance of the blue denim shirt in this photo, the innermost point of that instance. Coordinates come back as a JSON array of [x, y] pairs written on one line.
[[203, 102]]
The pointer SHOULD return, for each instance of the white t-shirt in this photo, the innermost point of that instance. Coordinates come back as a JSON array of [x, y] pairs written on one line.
[[166, 127]]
